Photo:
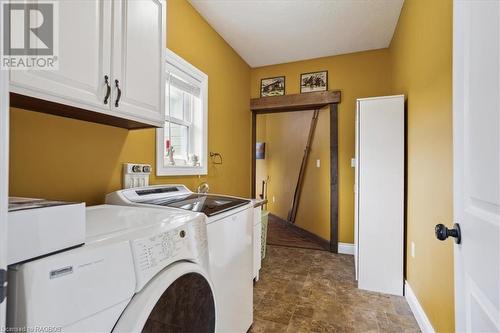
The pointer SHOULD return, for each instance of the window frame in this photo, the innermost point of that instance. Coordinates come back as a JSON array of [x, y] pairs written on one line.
[[181, 68], [190, 125]]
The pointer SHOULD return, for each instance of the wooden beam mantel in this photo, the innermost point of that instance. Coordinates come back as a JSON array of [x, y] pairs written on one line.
[[295, 102]]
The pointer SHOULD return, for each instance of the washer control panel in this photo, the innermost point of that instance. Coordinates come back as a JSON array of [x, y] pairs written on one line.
[[156, 249], [155, 252]]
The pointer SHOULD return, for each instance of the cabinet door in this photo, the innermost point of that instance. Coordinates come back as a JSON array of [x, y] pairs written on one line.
[[257, 241], [381, 144], [139, 44], [84, 58]]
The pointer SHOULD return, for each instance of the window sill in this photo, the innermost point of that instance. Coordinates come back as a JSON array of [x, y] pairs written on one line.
[[180, 170]]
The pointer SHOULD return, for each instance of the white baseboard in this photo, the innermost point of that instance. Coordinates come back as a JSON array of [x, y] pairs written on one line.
[[418, 311], [346, 248]]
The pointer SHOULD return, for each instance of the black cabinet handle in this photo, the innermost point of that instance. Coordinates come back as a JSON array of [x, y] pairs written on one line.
[[442, 232], [119, 93], [108, 89]]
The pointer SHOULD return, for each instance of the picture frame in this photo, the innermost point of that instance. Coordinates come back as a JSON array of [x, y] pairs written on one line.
[[260, 150], [272, 86], [313, 81]]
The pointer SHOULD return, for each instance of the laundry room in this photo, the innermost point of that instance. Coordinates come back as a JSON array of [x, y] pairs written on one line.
[[248, 166]]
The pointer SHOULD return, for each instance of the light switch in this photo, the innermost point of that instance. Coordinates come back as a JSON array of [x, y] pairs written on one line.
[[353, 162]]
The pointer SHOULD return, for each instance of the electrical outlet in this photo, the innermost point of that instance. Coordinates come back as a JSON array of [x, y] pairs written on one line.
[[274, 199], [318, 163], [136, 175], [413, 249]]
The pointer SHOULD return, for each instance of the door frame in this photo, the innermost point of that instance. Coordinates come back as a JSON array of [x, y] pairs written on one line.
[[305, 102]]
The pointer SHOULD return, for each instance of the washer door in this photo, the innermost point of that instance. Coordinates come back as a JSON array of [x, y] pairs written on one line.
[[178, 299]]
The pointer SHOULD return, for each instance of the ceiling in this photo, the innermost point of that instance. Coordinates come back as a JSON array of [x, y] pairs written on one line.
[[267, 32]]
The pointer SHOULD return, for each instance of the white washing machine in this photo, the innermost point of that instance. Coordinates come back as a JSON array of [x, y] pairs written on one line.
[[230, 237], [139, 270]]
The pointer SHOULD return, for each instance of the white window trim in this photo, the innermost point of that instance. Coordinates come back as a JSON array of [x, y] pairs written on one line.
[[182, 65]]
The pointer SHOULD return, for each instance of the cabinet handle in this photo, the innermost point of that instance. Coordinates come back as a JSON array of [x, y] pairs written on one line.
[[119, 93], [108, 89]]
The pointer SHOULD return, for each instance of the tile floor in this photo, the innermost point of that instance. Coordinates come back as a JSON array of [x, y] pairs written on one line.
[[302, 290], [280, 232]]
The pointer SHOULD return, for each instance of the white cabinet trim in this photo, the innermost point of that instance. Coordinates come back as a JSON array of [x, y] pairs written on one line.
[[73, 87]]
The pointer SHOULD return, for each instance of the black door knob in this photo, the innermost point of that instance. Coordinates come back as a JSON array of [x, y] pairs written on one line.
[[442, 232]]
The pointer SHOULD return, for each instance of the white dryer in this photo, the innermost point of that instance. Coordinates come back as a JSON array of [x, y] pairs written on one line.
[[140, 270], [230, 243]]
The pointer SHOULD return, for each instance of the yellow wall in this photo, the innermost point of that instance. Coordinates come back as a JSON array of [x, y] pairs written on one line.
[[66, 159], [417, 64], [421, 54], [286, 137], [362, 74], [315, 190]]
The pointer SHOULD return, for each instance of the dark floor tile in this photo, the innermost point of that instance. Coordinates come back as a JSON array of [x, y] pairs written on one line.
[[278, 312], [320, 326], [264, 326], [258, 326], [304, 310], [304, 290], [299, 323], [284, 235]]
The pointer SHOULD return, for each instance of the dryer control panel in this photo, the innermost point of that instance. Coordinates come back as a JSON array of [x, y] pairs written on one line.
[[153, 253]]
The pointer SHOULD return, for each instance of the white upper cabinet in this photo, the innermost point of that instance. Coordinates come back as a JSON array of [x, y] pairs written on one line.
[[84, 58], [111, 61], [138, 58]]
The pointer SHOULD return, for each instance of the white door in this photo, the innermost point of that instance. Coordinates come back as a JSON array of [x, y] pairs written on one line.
[[476, 127], [138, 59], [4, 178], [84, 58]]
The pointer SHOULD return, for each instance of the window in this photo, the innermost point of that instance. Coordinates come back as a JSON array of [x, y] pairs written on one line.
[[181, 145]]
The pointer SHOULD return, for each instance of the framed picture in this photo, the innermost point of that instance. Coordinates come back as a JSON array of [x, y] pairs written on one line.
[[260, 150], [273, 86], [316, 81]]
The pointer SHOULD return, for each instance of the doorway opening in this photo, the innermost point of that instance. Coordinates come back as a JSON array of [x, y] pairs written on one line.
[[296, 168]]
